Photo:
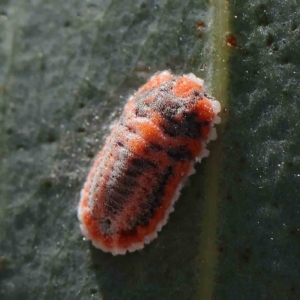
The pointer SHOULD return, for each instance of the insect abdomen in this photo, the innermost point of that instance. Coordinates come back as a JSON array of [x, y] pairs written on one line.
[[135, 180]]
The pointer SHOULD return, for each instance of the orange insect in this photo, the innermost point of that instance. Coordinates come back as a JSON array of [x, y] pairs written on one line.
[[137, 176]]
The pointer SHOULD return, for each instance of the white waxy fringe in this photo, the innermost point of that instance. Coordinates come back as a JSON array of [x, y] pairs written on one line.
[[197, 80]]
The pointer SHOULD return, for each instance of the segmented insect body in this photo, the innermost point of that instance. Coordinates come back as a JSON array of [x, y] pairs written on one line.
[[136, 178]]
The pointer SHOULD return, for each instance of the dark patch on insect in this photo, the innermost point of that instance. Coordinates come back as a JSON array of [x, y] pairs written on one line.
[[123, 183], [141, 111], [205, 123], [105, 226], [171, 128], [123, 190], [143, 164], [168, 109], [196, 93], [127, 233], [188, 127], [112, 206], [145, 95], [116, 198], [118, 189], [179, 154], [132, 172], [120, 144], [154, 147], [129, 181], [154, 199]]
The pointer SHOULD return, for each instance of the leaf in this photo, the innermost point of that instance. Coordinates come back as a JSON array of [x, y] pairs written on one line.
[[259, 204], [68, 69]]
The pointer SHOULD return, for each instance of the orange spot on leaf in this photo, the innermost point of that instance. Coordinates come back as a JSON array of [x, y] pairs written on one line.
[[231, 41]]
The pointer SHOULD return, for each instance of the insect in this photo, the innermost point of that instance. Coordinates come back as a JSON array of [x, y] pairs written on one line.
[[137, 176]]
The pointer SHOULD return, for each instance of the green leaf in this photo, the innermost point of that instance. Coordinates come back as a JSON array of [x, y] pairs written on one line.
[[68, 67], [260, 202]]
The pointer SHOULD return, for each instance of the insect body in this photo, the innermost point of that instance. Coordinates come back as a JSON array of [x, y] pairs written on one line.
[[137, 176]]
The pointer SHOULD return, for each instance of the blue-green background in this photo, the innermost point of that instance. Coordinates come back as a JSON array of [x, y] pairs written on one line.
[[67, 68]]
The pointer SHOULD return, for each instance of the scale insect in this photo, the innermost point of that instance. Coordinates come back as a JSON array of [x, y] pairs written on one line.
[[137, 176]]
